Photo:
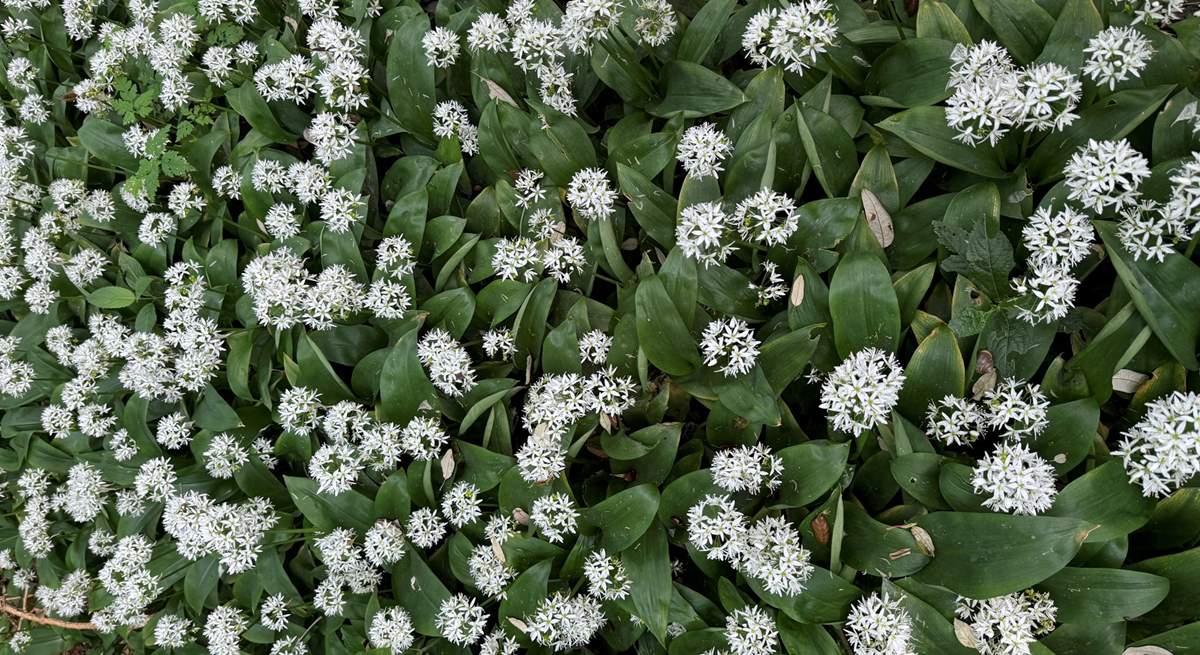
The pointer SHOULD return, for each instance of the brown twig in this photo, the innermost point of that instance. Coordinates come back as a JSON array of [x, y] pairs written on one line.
[[44, 620]]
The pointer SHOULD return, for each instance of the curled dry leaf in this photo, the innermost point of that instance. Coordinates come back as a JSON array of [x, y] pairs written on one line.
[[878, 218], [924, 541], [964, 634], [797, 295], [1127, 381]]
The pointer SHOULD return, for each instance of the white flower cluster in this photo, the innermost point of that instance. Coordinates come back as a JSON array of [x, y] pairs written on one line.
[[540, 46], [1116, 54], [751, 631], [728, 345], [701, 150], [1106, 175], [1007, 625], [1012, 408], [450, 120], [1015, 479], [565, 622], [1162, 451], [202, 526], [16, 377], [1157, 12], [555, 403], [769, 550], [446, 362], [792, 37], [878, 625], [1057, 242], [748, 469], [1150, 229], [861, 391], [991, 95], [606, 576]]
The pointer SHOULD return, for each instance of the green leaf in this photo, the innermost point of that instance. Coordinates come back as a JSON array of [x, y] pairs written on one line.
[[703, 31], [1104, 497], [830, 150], [326, 512], [648, 564], [935, 19], [925, 129], [103, 141], [1112, 117], [563, 148], [483, 468], [811, 469], [214, 413], [624, 517], [403, 385], [1022, 25], [410, 86], [826, 598], [1167, 295], [201, 580], [784, 358], [1069, 434], [863, 305], [1077, 23], [1103, 595], [652, 207], [935, 370], [420, 591], [988, 555], [883, 550], [985, 257], [1182, 603], [526, 592], [913, 72], [693, 91], [111, 297], [316, 372], [246, 101], [662, 334]]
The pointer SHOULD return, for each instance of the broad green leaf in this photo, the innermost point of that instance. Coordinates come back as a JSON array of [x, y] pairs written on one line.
[[246, 101], [1104, 497], [988, 555], [810, 469], [652, 207], [1167, 295], [1182, 603], [403, 386], [111, 297], [830, 150], [420, 591], [1022, 25], [936, 20], [878, 549], [703, 31], [648, 564], [863, 305], [693, 91], [326, 511], [935, 370], [624, 517], [925, 129], [1077, 23], [1113, 117], [1103, 595], [913, 72], [103, 140], [662, 334], [410, 79]]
